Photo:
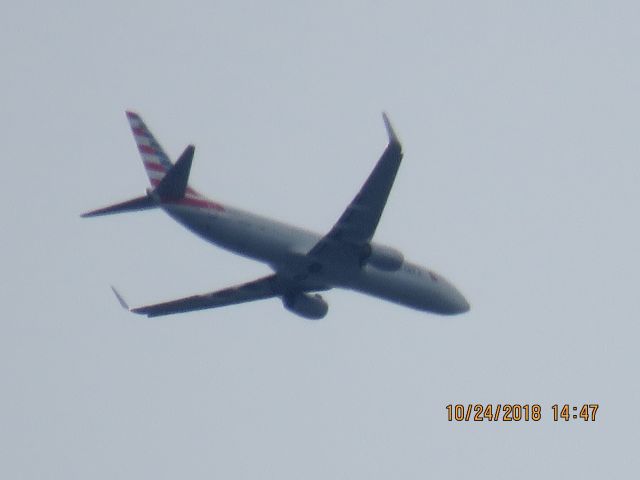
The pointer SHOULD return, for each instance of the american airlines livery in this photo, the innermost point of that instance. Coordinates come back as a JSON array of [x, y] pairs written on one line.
[[303, 262]]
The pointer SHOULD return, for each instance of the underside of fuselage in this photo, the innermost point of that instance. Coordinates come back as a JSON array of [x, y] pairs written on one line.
[[284, 248], [246, 234]]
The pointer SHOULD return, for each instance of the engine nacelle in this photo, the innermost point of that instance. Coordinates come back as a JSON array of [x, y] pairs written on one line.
[[384, 258], [311, 307]]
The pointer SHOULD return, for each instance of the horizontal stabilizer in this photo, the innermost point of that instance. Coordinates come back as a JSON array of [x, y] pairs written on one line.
[[139, 203]]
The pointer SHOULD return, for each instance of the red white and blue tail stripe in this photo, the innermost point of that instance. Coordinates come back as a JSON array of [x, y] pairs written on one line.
[[157, 164], [155, 160], [169, 181]]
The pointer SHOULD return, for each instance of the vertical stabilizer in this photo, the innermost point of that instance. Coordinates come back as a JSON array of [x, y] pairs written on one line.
[[174, 184], [170, 182], [155, 160]]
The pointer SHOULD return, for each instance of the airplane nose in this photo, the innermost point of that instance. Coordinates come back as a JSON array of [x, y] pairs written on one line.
[[462, 305], [455, 302]]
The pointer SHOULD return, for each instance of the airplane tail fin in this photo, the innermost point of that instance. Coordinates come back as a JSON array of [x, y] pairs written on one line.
[[173, 185], [169, 182], [155, 160]]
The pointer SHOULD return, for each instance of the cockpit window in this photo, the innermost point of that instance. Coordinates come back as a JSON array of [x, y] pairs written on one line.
[[433, 276]]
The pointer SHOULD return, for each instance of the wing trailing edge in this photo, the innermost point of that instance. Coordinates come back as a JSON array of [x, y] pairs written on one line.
[[261, 289], [295, 298]]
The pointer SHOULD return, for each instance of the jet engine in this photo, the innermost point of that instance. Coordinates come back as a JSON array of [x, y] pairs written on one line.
[[383, 258], [311, 307]]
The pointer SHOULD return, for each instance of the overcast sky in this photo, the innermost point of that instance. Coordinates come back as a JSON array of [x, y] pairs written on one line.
[[519, 122]]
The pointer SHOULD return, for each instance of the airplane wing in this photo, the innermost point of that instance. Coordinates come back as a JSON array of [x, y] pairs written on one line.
[[263, 288], [358, 223]]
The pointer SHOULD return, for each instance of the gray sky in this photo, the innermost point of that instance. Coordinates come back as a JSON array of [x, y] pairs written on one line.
[[520, 184]]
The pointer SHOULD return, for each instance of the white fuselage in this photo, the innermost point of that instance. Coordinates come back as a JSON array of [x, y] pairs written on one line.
[[284, 247]]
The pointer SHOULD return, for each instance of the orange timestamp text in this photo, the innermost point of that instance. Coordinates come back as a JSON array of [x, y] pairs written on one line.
[[518, 412]]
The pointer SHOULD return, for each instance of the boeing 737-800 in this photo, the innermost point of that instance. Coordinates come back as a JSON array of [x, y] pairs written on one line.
[[303, 262]]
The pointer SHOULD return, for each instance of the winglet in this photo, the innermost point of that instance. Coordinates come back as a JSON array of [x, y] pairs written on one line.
[[120, 299], [393, 138]]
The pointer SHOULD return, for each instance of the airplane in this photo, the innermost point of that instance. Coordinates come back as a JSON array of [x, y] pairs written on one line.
[[303, 262]]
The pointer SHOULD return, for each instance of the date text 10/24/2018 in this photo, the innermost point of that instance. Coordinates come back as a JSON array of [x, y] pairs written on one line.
[[516, 412]]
